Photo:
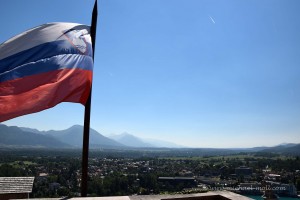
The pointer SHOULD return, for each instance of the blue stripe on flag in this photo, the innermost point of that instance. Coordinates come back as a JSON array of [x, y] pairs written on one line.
[[67, 61], [39, 52]]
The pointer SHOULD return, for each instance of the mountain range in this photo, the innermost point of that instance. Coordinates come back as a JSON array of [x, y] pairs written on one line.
[[13, 136], [72, 138]]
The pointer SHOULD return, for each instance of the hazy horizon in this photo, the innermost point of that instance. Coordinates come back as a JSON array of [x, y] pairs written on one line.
[[111, 136]]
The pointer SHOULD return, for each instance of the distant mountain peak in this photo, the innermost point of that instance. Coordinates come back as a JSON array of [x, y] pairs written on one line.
[[126, 134], [74, 135], [134, 141], [76, 126], [130, 140], [286, 144]]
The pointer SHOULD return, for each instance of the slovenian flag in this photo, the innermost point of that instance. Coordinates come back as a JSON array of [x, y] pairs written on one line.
[[44, 66]]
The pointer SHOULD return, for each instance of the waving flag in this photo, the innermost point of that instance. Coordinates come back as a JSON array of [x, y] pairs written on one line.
[[44, 66]]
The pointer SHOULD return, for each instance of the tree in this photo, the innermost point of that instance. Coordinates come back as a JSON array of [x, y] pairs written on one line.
[[7, 170]]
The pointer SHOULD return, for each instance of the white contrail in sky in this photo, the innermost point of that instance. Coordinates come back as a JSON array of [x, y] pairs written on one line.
[[212, 19]]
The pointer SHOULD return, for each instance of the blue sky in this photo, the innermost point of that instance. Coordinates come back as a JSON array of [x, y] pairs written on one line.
[[200, 73]]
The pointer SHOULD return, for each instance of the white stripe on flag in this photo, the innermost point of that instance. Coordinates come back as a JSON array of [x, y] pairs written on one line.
[[34, 37]]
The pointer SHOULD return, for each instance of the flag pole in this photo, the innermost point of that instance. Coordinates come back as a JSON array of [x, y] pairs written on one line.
[[87, 113]]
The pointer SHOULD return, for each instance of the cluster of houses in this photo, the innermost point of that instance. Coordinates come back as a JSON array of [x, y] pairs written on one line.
[[20, 187]]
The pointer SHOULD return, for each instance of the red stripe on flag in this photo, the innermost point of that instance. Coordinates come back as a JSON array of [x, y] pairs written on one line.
[[39, 92]]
